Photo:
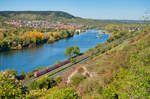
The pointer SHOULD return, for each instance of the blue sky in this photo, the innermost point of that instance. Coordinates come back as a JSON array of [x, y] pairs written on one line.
[[96, 9]]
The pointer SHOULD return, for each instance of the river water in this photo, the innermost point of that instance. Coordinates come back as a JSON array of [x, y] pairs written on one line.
[[47, 54]]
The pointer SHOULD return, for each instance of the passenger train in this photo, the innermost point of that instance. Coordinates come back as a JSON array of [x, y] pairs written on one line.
[[39, 73]]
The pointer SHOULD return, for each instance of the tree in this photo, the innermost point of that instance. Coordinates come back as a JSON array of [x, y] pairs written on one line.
[[46, 82], [69, 51], [10, 87], [76, 50]]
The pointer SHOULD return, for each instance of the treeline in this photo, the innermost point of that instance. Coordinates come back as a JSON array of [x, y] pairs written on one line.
[[20, 38], [122, 30]]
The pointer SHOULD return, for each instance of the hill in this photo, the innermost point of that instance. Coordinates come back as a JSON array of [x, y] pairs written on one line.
[[55, 16], [36, 15], [41, 13]]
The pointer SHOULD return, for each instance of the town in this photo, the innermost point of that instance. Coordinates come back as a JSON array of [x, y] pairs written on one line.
[[44, 24]]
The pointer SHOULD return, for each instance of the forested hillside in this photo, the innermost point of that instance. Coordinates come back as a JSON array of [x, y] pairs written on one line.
[[35, 15]]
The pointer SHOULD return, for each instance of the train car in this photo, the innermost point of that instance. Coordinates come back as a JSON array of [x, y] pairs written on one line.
[[39, 73], [58, 65]]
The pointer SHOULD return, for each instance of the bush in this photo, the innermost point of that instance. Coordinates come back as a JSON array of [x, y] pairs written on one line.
[[101, 71], [77, 78], [21, 76], [91, 86], [12, 72], [58, 79], [73, 60], [67, 93], [44, 82], [33, 85]]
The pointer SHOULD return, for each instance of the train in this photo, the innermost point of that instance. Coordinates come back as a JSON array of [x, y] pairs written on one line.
[[39, 73]]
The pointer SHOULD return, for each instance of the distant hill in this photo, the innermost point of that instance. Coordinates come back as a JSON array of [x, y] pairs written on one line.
[[41, 13], [36, 15]]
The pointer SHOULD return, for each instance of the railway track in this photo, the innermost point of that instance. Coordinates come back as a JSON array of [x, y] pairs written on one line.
[[65, 67]]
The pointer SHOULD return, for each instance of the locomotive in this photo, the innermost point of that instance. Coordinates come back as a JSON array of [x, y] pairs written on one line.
[[39, 73]]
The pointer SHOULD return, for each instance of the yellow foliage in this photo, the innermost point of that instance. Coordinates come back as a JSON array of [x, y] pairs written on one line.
[[34, 35], [56, 34], [1, 36]]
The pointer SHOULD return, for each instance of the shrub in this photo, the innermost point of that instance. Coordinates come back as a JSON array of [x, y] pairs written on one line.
[[33, 85], [67, 93], [12, 72], [80, 70], [44, 82], [58, 79], [91, 86], [77, 78], [36, 94], [101, 71], [91, 56], [73, 60]]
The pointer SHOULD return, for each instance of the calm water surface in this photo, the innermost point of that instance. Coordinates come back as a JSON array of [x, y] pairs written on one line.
[[47, 54]]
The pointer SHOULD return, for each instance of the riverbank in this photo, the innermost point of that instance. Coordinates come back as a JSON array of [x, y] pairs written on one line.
[[30, 39]]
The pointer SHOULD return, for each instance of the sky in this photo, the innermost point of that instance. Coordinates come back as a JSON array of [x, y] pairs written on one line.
[[95, 9]]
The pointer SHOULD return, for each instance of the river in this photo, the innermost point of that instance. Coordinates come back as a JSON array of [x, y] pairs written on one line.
[[47, 54]]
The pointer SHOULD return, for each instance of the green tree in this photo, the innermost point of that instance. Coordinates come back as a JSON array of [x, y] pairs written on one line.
[[69, 51], [76, 50], [46, 82], [10, 87]]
